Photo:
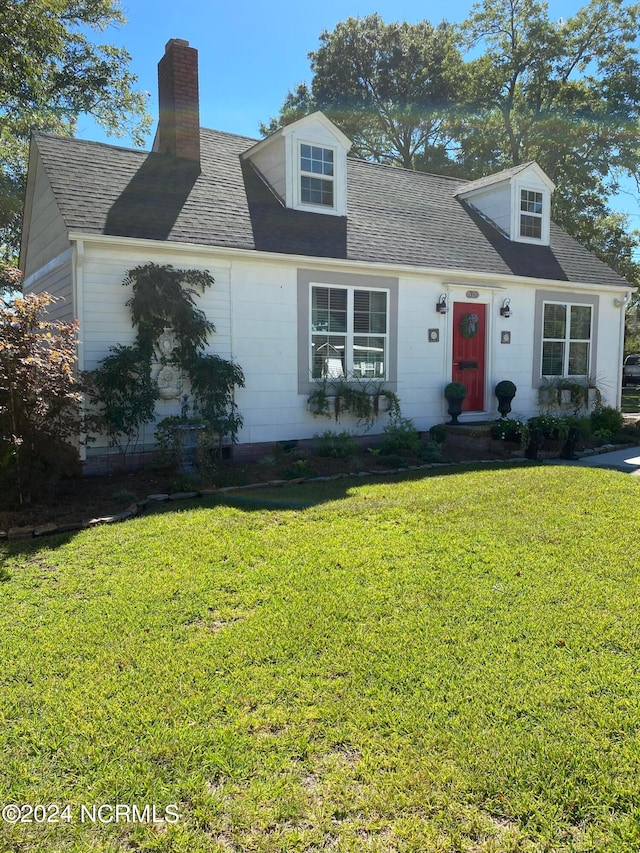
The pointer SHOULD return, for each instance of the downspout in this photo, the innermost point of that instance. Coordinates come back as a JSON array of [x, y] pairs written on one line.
[[623, 315], [77, 267]]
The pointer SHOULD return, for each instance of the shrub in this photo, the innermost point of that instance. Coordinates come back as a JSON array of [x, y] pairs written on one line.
[[606, 418], [505, 389], [400, 435], [455, 391], [431, 452], [438, 433], [39, 398], [510, 430], [338, 445], [298, 469], [552, 427], [583, 425], [122, 395]]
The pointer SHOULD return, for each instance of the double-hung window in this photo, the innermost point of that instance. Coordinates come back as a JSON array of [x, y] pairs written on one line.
[[349, 333], [566, 339], [317, 175], [531, 214]]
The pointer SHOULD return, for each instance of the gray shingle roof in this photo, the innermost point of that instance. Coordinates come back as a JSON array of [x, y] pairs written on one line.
[[395, 216], [496, 178]]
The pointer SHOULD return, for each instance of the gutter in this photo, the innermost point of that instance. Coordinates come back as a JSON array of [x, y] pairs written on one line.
[[451, 276]]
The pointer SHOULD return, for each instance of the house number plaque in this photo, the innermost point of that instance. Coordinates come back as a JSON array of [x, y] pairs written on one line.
[[473, 294]]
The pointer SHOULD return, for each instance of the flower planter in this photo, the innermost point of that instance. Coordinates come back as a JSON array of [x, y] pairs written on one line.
[[454, 407], [504, 404]]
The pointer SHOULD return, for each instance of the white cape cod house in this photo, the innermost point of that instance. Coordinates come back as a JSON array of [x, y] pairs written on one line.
[[324, 266]]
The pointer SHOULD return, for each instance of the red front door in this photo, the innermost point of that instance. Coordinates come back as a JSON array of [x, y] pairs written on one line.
[[469, 323]]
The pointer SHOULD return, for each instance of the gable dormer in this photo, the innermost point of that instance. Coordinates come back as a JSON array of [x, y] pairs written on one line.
[[517, 202], [305, 164]]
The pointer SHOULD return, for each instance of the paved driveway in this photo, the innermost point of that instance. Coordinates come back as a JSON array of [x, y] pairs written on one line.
[[618, 460]]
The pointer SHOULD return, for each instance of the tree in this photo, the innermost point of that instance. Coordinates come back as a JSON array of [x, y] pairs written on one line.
[[40, 396], [565, 93], [122, 396], [50, 72], [387, 86]]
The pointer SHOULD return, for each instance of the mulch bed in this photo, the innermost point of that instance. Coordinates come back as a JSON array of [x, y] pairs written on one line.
[[77, 500]]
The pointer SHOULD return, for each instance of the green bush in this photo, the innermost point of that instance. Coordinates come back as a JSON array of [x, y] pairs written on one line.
[[400, 435], [506, 388], [606, 418], [510, 429], [455, 391], [298, 469], [438, 433], [583, 425], [338, 445], [552, 427], [431, 452]]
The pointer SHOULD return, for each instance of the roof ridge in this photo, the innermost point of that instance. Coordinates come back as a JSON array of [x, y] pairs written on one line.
[[395, 168], [45, 135]]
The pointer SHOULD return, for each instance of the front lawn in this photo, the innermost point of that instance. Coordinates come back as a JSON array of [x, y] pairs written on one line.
[[631, 400], [435, 663]]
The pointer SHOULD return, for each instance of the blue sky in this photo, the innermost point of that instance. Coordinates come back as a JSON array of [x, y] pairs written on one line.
[[251, 53]]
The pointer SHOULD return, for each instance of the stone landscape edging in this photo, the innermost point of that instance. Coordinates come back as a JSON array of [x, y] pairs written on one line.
[[136, 509]]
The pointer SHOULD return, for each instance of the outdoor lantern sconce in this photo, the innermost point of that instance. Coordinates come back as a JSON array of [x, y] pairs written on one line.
[[619, 303], [441, 304], [505, 310]]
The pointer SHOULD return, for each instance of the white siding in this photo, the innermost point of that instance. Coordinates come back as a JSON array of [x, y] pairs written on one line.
[[270, 162], [106, 320], [495, 205], [254, 307], [57, 281], [46, 228]]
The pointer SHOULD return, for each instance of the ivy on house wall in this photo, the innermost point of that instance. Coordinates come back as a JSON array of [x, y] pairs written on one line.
[[123, 392]]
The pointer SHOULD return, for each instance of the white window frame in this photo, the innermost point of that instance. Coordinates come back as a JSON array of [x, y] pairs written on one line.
[[532, 214], [350, 334], [567, 340], [300, 174]]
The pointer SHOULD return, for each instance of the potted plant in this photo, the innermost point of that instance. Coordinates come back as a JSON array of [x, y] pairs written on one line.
[[505, 391], [454, 393], [514, 433]]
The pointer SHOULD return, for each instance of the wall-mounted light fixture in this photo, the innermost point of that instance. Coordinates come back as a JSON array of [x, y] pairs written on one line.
[[620, 302], [441, 304], [505, 310]]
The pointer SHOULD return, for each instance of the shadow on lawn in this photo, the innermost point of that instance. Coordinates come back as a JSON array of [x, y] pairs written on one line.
[[293, 497]]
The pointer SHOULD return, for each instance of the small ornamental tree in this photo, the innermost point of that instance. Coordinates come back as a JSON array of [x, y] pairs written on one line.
[[122, 396], [40, 397]]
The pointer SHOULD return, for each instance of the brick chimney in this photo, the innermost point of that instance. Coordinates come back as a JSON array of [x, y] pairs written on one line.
[[179, 125]]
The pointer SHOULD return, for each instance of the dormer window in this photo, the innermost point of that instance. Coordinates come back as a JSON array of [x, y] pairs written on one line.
[[516, 202], [531, 214], [305, 164], [316, 175]]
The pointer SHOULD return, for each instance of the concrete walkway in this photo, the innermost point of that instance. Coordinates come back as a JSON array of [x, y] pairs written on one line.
[[627, 461]]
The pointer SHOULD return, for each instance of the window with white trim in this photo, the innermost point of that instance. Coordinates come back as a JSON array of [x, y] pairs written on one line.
[[349, 332], [566, 339], [531, 204], [317, 175]]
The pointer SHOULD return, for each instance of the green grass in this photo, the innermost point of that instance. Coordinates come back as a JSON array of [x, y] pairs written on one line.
[[445, 663], [631, 400]]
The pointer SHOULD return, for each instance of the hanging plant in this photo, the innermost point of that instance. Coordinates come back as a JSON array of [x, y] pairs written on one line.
[[469, 325]]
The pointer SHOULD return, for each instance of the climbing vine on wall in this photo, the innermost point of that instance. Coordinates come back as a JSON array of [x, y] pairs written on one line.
[[164, 299]]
